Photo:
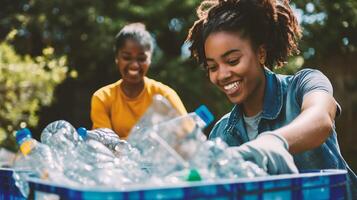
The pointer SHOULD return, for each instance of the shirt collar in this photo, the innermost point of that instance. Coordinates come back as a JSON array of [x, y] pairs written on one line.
[[273, 99]]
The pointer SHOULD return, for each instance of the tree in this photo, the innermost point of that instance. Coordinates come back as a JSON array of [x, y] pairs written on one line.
[[330, 28], [84, 30], [26, 84]]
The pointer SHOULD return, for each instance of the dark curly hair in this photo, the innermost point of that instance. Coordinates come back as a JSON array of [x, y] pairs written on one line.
[[270, 23]]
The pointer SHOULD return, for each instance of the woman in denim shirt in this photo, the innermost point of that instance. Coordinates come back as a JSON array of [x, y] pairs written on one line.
[[283, 123]]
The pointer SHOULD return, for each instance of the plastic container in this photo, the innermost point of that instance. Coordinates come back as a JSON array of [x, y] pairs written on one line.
[[324, 184], [8, 189], [104, 135]]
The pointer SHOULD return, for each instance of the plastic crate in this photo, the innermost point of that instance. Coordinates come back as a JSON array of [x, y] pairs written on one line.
[[318, 185], [8, 189]]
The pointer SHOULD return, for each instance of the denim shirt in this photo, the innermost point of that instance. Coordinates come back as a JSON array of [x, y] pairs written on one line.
[[282, 104]]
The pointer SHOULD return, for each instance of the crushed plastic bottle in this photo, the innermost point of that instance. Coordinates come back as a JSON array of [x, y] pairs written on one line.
[[95, 153], [104, 135], [65, 142], [60, 127], [102, 168], [111, 140], [213, 156], [63, 139], [82, 160]]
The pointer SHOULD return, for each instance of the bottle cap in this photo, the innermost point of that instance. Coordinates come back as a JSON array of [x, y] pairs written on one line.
[[205, 114], [82, 132], [194, 175], [21, 134]]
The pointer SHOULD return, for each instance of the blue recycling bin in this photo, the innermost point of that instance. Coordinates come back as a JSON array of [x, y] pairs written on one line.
[[316, 185], [8, 189]]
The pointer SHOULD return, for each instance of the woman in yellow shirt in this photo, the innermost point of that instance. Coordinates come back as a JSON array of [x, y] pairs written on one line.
[[120, 105]]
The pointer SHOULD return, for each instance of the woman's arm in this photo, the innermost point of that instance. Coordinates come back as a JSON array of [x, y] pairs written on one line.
[[99, 115], [313, 125], [309, 130]]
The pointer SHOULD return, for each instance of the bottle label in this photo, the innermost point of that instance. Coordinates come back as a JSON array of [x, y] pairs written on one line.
[[26, 147]]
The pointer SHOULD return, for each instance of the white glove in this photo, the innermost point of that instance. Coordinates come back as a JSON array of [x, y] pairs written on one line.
[[270, 152]]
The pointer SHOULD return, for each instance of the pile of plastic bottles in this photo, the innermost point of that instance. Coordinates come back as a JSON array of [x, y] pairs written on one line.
[[162, 148]]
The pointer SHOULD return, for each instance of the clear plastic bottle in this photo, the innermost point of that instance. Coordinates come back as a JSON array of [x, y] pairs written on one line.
[[95, 153], [61, 127], [184, 134], [214, 158], [62, 138], [159, 111], [99, 166], [80, 159], [35, 158], [120, 148], [104, 135], [66, 143], [162, 145]]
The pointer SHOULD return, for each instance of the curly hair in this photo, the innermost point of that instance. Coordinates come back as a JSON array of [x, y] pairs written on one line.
[[270, 23]]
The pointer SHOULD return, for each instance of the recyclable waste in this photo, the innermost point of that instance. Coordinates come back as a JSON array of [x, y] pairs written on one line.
[[35, 159], [163, 148]]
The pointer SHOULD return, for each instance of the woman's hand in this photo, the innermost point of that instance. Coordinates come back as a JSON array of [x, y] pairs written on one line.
[[270, 152]]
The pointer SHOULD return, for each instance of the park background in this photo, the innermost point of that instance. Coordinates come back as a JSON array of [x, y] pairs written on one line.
[[55, 54]]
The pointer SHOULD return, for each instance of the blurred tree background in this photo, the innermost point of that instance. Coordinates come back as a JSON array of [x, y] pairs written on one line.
[[81, 32]]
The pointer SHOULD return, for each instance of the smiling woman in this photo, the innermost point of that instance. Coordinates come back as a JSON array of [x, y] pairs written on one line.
[[282, 123], [234, 67], [120, 105]]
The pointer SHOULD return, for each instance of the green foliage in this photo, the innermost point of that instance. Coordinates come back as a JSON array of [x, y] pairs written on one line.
[[84, 31], [330, 28], [26, 84], [292, 66]]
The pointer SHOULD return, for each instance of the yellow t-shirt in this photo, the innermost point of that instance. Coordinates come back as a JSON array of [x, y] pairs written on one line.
[[111, 108]]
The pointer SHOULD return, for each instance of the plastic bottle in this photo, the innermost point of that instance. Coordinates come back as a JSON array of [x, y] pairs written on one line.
[[79, 159], [95, 153], [161, 146], [60, 127], [101, 166], [160, 110], [104, 135], [67, 145], [35, 157], [120, 148], [214, 157], [62, 138], [184, 133]]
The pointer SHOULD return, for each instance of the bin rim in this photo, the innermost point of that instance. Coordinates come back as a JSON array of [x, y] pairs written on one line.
[[144, 187]]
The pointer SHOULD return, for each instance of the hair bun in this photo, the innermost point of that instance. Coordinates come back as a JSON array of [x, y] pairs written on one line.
[[136, 25]]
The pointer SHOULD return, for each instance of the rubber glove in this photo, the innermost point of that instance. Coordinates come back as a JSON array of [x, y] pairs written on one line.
[[270, 152]]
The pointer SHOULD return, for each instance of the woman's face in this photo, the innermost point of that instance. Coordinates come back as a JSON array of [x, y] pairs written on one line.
[[133, 61], [235, 67]]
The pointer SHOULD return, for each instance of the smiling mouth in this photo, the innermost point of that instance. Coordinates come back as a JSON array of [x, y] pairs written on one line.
[[232, 87], [133, 72]]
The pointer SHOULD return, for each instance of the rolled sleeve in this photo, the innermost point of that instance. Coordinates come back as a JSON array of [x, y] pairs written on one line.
[[311, 80]]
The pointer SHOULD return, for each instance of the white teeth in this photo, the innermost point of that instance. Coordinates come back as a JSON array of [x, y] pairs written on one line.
[[133, 72], [231, 86]]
